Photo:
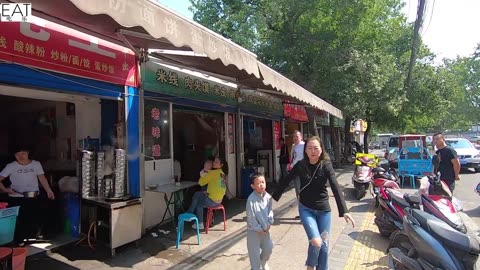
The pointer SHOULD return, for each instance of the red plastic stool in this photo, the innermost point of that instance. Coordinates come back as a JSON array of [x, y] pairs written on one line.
[[5, 258], [210, 217]]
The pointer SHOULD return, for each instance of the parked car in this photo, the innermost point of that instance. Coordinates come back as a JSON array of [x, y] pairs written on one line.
[[468, 155], [475, 139], [374, 145]]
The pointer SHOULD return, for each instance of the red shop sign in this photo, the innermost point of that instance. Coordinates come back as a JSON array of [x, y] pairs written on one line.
[[276, 130], [54, 47], [295, 112]]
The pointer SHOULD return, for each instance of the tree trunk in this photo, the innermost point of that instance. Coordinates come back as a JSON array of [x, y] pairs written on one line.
[[348, 137], [336, 147], [334, 140], [312, 123], [365, 135]]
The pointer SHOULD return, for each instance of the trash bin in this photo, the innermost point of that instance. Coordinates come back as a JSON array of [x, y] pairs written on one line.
[[71, 203], [18, 258], [8, 220]]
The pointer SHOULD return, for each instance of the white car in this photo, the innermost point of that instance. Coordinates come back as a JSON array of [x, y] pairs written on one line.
[[468, 155]]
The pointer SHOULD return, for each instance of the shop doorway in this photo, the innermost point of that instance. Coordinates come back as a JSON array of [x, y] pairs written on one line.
[[258, 145], [49, 129], [290, 127], [198, 135]]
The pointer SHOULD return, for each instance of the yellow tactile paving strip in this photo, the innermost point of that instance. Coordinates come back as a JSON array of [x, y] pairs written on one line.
[[368, 251]]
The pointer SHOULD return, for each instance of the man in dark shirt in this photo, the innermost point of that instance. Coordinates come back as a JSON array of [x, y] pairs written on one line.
[[446, 161]]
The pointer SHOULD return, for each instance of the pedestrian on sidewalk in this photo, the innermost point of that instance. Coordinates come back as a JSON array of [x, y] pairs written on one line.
[[446, 161], [284, 158], [296, 155], [259, 219], [314, 171]]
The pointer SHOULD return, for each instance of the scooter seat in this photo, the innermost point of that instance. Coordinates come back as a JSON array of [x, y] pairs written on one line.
[[412, 199], [446, 234], [397, 197]]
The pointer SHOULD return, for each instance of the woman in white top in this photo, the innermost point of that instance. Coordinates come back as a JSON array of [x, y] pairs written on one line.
[[24, 175]]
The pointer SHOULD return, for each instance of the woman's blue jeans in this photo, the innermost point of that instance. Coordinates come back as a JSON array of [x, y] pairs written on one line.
[[317, 225], [200, 200]]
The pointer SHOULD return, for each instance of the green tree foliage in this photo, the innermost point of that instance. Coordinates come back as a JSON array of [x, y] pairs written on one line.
[[354, 54]]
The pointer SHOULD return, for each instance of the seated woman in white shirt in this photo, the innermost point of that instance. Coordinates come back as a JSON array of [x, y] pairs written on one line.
[[24, 175]]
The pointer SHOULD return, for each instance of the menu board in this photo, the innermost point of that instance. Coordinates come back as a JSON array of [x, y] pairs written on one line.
[[231, 138], [157, 130], [276, 130]]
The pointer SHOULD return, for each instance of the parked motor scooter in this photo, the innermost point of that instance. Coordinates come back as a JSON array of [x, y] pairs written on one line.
[[426, 242], [381, 180], [391, 167], [363, 174], [436, 200]]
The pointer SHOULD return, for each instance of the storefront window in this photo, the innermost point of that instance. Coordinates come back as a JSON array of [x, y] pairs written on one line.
[[157, 129], [306, 131], [198, 135]]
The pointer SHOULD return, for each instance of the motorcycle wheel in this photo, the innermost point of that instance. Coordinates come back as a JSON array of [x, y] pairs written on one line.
[[377, 203], [402, 242], [360, 192]]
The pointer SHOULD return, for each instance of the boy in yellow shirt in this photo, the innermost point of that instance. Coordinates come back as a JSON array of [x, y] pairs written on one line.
[[215, 180]]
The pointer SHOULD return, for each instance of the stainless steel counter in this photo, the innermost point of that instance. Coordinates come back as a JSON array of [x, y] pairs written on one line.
[[118, 223], [112, 205]]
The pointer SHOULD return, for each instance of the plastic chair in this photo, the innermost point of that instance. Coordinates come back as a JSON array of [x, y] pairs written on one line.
[[181, 219], [411, 177], [6, 258], [210, 217]]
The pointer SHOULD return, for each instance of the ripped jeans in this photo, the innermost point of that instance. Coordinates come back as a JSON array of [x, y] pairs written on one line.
[[317, 225]]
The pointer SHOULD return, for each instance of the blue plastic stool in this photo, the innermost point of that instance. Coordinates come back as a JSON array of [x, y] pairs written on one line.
[[181, 219], [412, 179]]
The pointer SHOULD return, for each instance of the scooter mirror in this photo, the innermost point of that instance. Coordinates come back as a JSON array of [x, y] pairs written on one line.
[[478, 188]]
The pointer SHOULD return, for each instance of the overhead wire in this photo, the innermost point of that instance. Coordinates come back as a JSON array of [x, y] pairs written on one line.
[[430, 19]]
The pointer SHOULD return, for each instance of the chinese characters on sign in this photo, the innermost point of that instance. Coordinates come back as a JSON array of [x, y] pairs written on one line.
[[200, 86], [231, 138], [262, 101], [47, 45], [185, 84], [156, 129], [295, 112], [277, 134], [155, 113]]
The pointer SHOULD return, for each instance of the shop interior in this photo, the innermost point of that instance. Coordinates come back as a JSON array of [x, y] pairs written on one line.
[[198, 135], [49, 130], [258, 145], [290, 127]]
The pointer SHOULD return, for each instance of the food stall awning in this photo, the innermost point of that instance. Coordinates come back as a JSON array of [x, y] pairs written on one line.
[[282, 84], [147, 24]]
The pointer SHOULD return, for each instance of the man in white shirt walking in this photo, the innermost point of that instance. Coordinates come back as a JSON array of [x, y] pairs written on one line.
[[296, 155]]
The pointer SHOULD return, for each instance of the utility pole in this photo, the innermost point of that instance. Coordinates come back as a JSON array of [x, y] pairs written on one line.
[[415, 39]]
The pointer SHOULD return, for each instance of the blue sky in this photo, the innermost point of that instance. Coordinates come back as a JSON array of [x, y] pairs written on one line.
[[451, 28], [180, 6]]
